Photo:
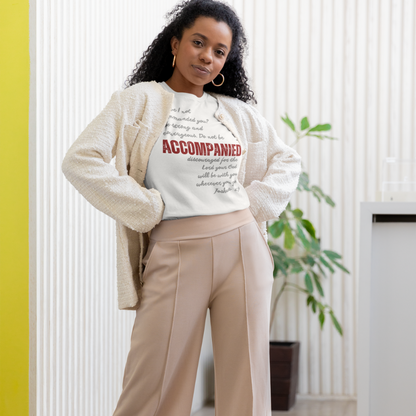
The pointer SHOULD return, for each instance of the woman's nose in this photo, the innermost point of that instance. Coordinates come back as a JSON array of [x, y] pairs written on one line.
[[206, 56]]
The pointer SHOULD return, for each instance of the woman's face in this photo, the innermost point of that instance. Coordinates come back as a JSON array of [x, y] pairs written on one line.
[[200, 55]]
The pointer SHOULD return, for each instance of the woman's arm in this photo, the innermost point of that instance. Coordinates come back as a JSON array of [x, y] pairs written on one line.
[[87, 167], [270, 196]]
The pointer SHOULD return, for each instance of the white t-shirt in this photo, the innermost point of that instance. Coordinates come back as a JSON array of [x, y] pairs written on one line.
[[195, 162]]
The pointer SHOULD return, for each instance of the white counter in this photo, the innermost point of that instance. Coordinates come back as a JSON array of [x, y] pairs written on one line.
[[386, 343]]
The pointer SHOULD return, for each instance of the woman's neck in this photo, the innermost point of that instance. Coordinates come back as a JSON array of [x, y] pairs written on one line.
[[182, 85]]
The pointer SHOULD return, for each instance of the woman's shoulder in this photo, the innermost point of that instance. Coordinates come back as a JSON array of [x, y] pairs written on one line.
[[135, 99], [241, 112], [234, 102]]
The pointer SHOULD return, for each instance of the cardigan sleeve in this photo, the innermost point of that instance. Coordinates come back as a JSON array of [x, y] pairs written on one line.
[[270, 196], [87, 167]]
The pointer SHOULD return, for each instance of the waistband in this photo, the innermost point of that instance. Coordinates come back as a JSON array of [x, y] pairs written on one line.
[[200, 226]]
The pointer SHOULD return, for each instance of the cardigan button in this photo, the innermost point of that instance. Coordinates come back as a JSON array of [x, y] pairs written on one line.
[[221, 117]]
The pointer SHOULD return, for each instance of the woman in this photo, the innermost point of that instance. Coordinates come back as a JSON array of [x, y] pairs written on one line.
[[198, 173]]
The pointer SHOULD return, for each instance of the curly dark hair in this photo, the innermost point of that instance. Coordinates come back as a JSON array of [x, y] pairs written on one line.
[[156, 62]]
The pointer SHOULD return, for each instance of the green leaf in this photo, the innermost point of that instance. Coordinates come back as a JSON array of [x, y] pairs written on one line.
[[297, 213], [322, 136], [340, 266], [318, 283], [308, 283], [317, 196], [309, 300], [283, 216], [303, 179], [321, 318], [289, 122], [321, 127], [309, 227], [321, 269], [314, 305], [304, 123], [280, 261], [303, 182], [329, 200], [315, 244], [304, 240], [326, 264], [276, 228], [281, 267], [317, 190], [332, 254], [310, 260], [335, 322], [278, 249], [289, 238], [296, 269]]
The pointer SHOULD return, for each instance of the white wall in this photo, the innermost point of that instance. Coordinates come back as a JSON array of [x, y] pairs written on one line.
[[81, 52], [350, 64], [345, 62]]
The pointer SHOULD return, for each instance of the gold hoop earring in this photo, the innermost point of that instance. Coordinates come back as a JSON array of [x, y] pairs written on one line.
[[174, 60], [223, 79]]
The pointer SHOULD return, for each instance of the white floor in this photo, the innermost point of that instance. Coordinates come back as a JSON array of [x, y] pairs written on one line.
[[306, 407]]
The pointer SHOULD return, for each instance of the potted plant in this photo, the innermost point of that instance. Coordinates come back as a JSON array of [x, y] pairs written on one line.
[[300, 252]]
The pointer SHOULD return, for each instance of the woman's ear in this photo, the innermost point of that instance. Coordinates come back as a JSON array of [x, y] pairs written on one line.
[[174, 44]]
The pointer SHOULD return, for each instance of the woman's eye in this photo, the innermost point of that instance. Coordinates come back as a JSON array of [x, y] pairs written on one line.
[[221, 52], [198, 42]]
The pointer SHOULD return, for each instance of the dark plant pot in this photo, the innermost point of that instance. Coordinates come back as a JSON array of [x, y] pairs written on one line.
[[284, 365]]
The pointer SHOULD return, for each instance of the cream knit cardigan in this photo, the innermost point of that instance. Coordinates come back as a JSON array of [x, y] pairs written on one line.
[[127, 128]]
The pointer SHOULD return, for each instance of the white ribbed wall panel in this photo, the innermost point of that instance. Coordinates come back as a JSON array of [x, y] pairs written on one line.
[[82, 51], [352, 64], [345, 62]]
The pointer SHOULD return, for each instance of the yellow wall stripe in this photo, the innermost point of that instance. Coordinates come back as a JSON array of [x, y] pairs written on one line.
[[14, 208]]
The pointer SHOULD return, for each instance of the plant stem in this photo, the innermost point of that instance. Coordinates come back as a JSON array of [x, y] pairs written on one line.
[[275, 303], [299, 136], [297, 287]]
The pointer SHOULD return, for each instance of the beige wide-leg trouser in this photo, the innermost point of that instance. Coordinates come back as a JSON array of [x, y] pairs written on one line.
[[220, 262]]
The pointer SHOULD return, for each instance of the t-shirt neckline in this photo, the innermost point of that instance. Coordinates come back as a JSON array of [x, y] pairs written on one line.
[[184, 94]]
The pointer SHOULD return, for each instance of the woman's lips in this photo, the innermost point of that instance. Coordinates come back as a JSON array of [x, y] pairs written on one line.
[[200, 71]]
